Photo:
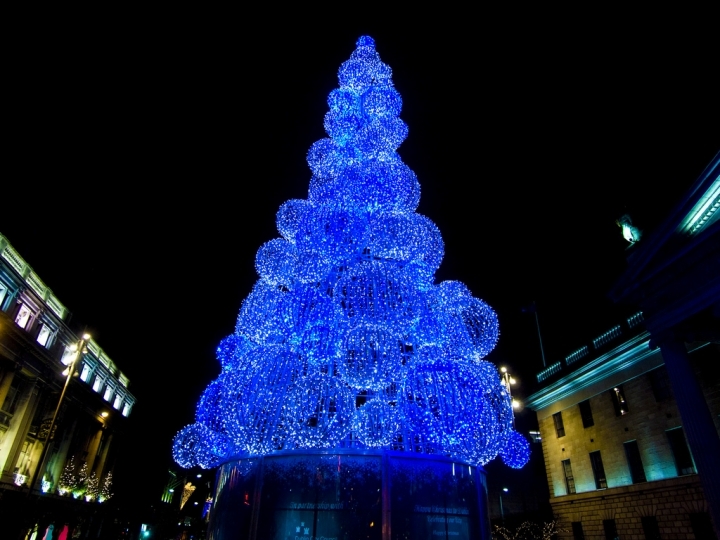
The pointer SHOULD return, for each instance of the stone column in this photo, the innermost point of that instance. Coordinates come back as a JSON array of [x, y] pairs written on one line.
[[8, 374], [697, 420], [14, 437], [103, 454], [56, 464], [93, 450]]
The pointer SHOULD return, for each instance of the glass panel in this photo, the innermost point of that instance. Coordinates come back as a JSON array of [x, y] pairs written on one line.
[[569, 479], [3, 293], [316, 496], [586, 414], [231, 510], [434, 499], [598, 470], [23, 316], [44, 335]]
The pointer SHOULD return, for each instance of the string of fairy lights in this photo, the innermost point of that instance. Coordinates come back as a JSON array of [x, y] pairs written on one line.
[[345, 341]]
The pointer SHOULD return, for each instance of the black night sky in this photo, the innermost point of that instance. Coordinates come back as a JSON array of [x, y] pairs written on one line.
[[148, 156]]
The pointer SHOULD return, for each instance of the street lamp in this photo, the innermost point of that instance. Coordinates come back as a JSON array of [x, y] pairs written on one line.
[[508, 381], [502, 513], [68, 373]]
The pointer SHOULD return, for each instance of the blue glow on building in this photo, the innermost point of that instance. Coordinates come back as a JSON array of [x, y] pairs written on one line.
[[345, 341]]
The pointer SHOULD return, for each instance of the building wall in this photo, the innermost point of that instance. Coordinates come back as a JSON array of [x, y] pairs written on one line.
[[646, 421], [670, 501], [670, 497]]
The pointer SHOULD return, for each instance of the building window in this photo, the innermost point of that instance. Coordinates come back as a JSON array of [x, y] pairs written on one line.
[[650, 528], [619, 402], [3, 293], [118, 401], [559, 426], [126, 409], [97, 385], [610, 529], [598, 470], [701, 526], [107, 396], [85, 374], [632, 453], [660, 383], [577, 531], [586, 413], [681, 452], [23, 317], [569, 479], [44, 335]]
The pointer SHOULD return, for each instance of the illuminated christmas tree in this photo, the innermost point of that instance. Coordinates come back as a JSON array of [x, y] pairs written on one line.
[[105, 492], [345, 340], [81, 486], [92, 487], [68, 481]]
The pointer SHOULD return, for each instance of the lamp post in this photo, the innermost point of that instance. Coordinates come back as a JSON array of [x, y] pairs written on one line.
[[68, 375], [508, 381], [502, 513]]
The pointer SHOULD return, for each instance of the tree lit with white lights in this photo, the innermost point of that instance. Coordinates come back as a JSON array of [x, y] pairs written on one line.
[[345, 341]]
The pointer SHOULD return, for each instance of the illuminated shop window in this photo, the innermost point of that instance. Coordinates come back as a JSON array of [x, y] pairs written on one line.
[[637, 471], [44, 335], [118, 401], [681, 453], [23, 316], [598, 470], [559, 426], [586, 413], [569, 478], [619, 401]]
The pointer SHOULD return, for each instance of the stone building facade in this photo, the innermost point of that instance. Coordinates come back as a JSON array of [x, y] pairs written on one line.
[[37, 350], [616, 455]]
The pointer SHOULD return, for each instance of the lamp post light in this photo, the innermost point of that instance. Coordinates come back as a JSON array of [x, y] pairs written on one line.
[[68, 373]]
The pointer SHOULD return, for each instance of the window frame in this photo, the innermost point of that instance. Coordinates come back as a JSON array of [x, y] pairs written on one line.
[[634, 460], [610, 529], [559, 425], [682, 455], [598, 470], [570, 487], [586, 414]]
